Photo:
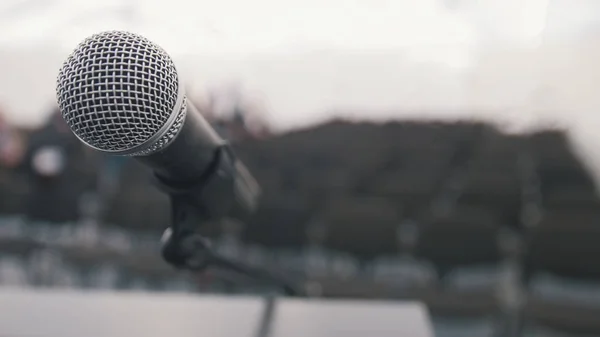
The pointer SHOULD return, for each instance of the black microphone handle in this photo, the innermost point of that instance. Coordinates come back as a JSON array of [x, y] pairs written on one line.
[[201, 166], [190, 155]]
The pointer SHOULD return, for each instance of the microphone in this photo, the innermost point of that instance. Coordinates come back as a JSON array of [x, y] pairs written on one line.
[[121, 94]]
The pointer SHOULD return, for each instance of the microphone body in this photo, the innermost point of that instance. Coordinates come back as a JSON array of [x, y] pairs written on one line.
[[200, 165], [190, 154]]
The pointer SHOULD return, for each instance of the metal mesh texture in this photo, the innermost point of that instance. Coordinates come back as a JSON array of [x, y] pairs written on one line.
[[117, 90]]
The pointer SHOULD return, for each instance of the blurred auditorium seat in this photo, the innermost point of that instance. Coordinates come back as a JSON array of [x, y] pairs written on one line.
[[476, 278], [15, 189], [564, 242], [464, 248], [257, 255], [278, 223], [572, 196], [12, 227], [146, 210], [541, 331], [566, 317], [13, 271], [317, 263], [294, 262], [562, 273], [351, 219], [466, 237], [403, 271], [48, 268], [405, 184], [492, 182], [560, 289], [104, 276], [462, 327], [492, 188], [137, 203], [340, 265], [551, 146]]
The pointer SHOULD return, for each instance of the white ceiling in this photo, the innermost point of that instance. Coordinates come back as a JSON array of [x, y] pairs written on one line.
[[267, 25]]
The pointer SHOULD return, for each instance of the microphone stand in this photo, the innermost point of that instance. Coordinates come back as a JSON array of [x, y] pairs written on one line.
[[192, 252], [194, 204], [266, 321]]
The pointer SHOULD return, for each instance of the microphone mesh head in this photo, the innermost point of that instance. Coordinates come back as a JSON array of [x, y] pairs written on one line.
[[118, 90]]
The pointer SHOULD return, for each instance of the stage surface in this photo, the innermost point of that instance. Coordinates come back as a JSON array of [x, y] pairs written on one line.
[[62, 313]]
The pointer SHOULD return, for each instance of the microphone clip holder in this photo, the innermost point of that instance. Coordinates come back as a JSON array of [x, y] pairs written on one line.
[[194, 204]]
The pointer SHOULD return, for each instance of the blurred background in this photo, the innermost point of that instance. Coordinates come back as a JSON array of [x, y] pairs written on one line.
[[438, 150]]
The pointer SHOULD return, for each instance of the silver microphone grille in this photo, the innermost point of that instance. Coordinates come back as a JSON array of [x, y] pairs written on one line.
[[120, 93]]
